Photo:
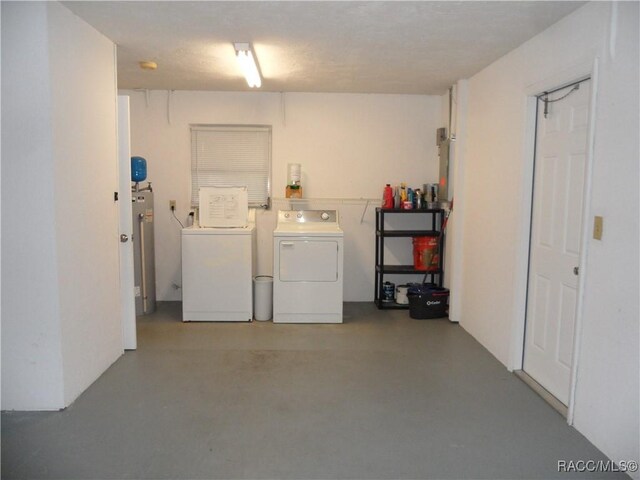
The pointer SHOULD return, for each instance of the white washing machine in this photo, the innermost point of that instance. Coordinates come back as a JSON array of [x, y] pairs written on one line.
[[308, 263], [217, 273]]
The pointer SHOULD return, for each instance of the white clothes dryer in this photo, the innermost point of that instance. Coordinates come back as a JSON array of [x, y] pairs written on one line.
[[308, 259]]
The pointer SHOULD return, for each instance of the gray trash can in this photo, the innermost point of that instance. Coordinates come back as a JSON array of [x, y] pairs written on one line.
[[263, 297]]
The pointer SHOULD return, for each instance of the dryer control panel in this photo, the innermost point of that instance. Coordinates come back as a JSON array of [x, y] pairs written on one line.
[[308, 216]]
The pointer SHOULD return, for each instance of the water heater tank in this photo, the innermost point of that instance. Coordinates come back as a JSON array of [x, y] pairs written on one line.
[[138, 169]]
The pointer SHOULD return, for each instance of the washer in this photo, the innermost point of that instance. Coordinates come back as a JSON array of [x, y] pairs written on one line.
[[308, 263], [217, 270]]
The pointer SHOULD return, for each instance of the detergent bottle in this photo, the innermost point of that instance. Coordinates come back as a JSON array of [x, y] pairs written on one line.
[[403, 192]]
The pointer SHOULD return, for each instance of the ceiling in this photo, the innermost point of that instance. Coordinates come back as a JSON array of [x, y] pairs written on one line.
[[350, 46]]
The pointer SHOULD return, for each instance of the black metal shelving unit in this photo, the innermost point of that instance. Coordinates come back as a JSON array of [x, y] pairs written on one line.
[[433, 228]]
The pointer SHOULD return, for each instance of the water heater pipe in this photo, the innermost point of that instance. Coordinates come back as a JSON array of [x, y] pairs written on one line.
[[143, 287], [450, 111]]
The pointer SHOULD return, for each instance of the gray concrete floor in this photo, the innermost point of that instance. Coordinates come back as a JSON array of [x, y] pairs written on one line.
[[380, 396]]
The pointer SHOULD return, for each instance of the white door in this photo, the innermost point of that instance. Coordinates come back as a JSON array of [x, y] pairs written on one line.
[[127, 292], [560, 163]]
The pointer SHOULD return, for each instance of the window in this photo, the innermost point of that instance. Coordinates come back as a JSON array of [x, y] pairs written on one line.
[[232, 155]]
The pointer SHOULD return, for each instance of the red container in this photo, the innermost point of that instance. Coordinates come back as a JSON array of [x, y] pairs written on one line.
[[426, 253], [387, 197]]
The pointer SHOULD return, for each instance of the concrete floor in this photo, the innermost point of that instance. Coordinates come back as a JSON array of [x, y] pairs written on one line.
[[381, 396]]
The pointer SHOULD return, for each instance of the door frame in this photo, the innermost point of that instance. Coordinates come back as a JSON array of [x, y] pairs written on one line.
[[579, 71]]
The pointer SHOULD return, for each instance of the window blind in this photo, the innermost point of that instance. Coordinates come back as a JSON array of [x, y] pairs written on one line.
[[232, 155]]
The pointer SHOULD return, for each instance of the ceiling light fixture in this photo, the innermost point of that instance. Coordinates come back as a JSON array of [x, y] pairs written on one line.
[[148, 65], [248, 63]]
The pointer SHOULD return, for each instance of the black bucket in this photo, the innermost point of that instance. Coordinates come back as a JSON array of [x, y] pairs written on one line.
[[428, 301]]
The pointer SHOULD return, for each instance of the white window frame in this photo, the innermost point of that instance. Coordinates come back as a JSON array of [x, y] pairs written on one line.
[[223, 165]]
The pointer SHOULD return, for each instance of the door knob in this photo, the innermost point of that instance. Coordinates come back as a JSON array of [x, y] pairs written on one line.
[[124, 238]]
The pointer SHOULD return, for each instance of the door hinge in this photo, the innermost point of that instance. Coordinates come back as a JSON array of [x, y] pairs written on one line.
[[576, 270], [115, 196]]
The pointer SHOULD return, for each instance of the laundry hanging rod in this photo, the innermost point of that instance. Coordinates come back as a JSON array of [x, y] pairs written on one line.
[[338, 201], [343, 201]]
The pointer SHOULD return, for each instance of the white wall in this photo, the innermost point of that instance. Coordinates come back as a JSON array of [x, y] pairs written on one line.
[[497, 185], [349, 147], [31, 348], [60, 305], [607, 403]]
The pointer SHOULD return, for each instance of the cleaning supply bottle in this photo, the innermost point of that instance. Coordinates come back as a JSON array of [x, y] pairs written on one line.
[[397, 201], [418, 201], [387, 197], [403, 192]]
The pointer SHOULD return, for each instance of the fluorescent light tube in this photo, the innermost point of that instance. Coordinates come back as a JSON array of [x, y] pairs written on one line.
[[248, 64]]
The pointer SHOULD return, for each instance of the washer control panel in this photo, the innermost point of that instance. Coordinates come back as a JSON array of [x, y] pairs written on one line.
[[308, 216]]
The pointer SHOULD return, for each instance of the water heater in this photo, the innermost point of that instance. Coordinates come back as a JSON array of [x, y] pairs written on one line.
[[143, 252]]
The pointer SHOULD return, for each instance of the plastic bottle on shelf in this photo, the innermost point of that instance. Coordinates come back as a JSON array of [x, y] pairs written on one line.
[[418, 200], [387, 197], [403, 192], [397, 200]]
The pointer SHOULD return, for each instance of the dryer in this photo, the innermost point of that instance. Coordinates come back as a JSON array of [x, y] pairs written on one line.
[[308, 261]]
